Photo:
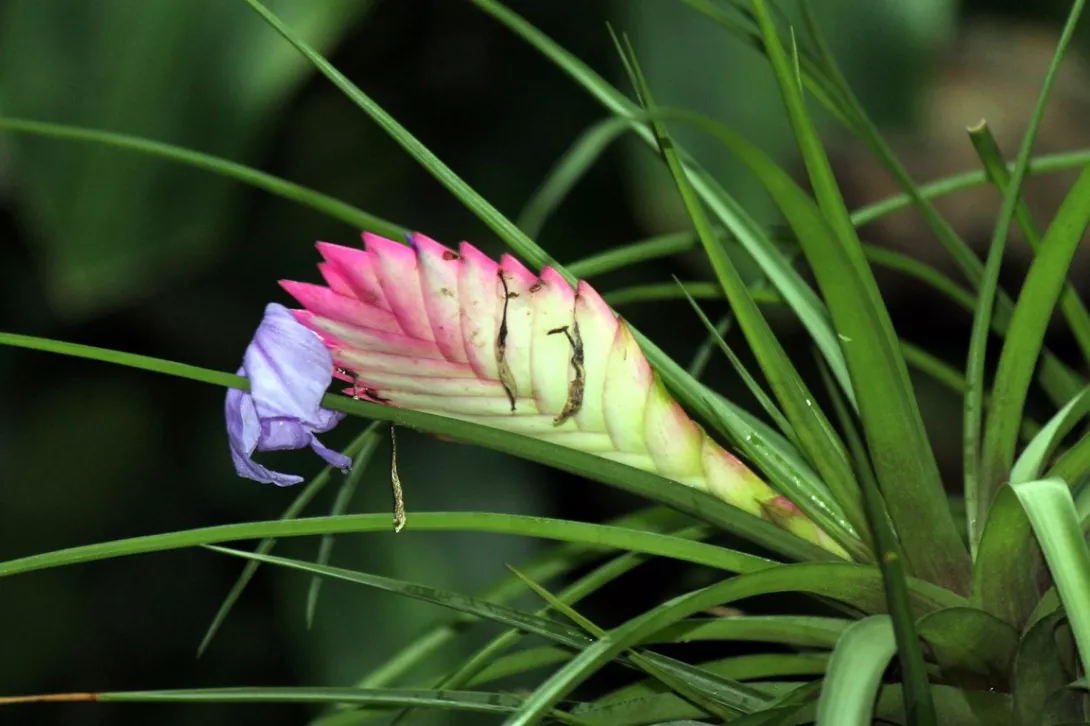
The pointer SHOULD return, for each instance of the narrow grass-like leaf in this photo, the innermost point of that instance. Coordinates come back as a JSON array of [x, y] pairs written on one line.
[[1025, 337], [553, 562], [678, 496], [945, 186], [1051, 511], [758, 666], [340, 506], [801, 631], [808, 71], [302, 499], [567, 171], [856, 585], [801, 214], [1057, 380], [775, 265], [918, 703], [815, 434], [546, 628], [661, 291], [502, 226], [855, 672], [523, 661], [1076, 314], [598, 535], [754, 388], [632, 253], [897, 441], [1041, 289], [471, 701], [866, 130], [1035, 456], [740, 699], [485, 657], [973, 408], [573, 637], [1074, 465], [572, 594], [317, 201], [703, 355]]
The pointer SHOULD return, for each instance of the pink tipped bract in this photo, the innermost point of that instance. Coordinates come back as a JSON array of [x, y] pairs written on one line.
[[460, 335]]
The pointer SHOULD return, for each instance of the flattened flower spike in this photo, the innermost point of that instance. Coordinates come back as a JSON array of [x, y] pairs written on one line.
[[460, 335], [289, 370]]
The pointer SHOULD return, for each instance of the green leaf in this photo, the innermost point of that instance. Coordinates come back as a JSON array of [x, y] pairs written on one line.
[[1073, 309], [796, 206], [867, 132], [699, 686], [1008, 563], [552, 562], [739, 698], [703, 355], [632, 253], [742, 668], [855, 673], [681, 497], [1032, 314], [794, 630], [1040, 291], [78, 201], [1074, 465], [598, 535], [856, 585], [1051, 511], [519, 662], [327, 205], [918, 703], [1038, 671], [973, 412], [572, 594], [567, 171], [767, 404], [661, 291], [546, 628], [1037, 453], [471, 701], [816, 436], [302, 499], [1058, 381], [340, 506], [954, 705], [972, 648], [897, 441]]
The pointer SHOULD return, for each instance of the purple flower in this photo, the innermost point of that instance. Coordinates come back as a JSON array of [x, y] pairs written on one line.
[[289, 370]]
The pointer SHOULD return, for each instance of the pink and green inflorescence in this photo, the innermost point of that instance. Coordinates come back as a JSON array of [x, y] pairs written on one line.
[[457, 334]]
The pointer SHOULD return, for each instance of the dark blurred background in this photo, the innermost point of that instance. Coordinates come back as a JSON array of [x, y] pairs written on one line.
[[115, 249]]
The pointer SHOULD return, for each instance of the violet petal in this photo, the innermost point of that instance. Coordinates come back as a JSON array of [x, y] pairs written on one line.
[[289, 370]]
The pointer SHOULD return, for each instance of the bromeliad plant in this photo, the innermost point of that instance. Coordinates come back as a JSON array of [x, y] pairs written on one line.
[[937, 621]]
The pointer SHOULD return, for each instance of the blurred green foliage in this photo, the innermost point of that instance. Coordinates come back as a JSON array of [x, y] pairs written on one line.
[[118, 250]]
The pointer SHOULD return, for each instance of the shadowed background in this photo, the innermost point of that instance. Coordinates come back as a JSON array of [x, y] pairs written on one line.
[[119, 250]]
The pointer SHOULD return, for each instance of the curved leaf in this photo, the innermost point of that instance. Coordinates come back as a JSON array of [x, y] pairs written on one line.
[[972, 648], [679, 496], [856, 585], [855, 673]]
